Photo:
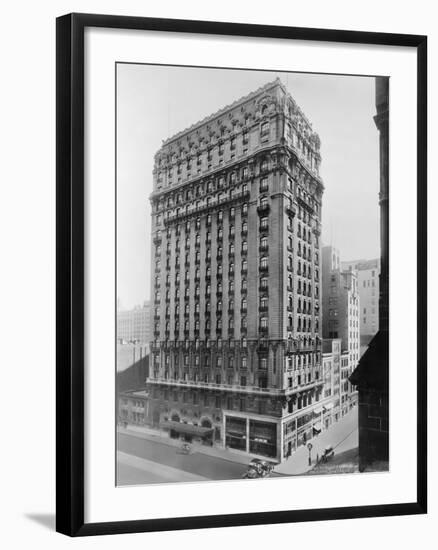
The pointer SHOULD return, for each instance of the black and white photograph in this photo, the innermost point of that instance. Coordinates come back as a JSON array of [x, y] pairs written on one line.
[[251, 274]]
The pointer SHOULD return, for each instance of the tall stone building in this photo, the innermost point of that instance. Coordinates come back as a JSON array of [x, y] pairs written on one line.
[[236, 210]]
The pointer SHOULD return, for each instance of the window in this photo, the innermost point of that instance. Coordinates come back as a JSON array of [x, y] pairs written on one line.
[[264, 282], [264, 262], [264, 184], [244, 246], [245, 208], [264, 129], [264, 223], [264, 322]]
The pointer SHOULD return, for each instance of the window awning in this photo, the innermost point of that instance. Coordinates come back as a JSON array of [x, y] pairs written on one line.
[[186, 428]]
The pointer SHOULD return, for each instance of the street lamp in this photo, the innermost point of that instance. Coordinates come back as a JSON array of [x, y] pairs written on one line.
[[310, 446]]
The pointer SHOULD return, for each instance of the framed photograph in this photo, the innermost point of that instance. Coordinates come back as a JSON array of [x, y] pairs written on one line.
[[241, 274]]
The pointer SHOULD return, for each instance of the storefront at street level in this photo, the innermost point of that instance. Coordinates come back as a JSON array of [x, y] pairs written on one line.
[[250, 435]]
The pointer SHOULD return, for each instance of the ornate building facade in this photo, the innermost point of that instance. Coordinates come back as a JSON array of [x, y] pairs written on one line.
[[236, 210]]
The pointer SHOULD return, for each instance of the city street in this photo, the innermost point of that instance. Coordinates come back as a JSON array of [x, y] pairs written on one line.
[[158, 462], [144, 459]]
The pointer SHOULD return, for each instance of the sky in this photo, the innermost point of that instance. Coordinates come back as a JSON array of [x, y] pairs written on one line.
[[155, 102]]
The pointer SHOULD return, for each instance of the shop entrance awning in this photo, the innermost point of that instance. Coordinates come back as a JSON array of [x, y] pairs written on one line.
[[328, 406], [186, 428], [317, 427], [318, 410]]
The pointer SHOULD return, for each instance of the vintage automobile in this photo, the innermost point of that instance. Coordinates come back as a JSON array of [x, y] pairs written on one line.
[[327, 454], [262, 467], [251, 473]]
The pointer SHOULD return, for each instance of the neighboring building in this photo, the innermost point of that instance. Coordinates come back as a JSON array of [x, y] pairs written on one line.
[[134, 325], [371, 377], [236, 210], [132, 366], [339, 395], [368, 272], [340, 304], [132, 372], [133, 407]]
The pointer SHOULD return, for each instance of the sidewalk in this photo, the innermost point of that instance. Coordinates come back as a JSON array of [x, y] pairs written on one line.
[[151, 434], [342, 436]]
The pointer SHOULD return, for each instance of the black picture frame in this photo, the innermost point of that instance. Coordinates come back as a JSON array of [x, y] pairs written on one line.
[[70, 272]]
